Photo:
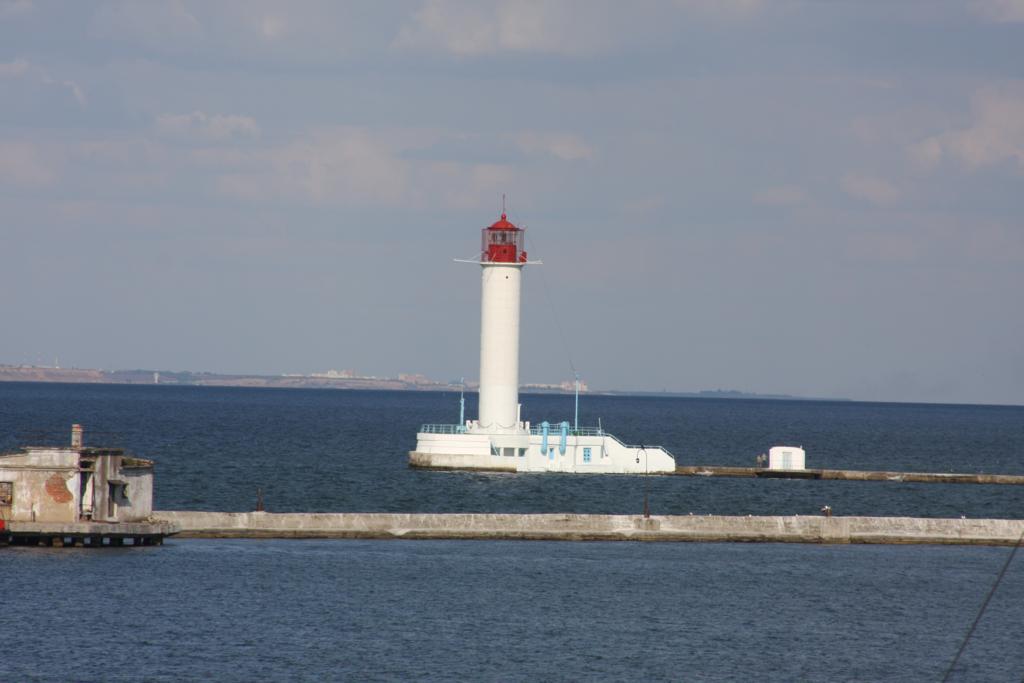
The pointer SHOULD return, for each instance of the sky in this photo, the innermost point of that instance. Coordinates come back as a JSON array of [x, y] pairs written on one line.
[[809, 198]]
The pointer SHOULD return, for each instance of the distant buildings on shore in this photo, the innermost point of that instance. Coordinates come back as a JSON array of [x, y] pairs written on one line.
[[566, 387], [336, 379], [337, 374], [330, 379]]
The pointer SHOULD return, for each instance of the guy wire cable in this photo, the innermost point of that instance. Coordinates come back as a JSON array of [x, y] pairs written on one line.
[[984, 606], [554, 313]]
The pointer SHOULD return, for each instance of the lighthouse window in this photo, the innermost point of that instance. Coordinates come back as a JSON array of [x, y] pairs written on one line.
[[586, 455]]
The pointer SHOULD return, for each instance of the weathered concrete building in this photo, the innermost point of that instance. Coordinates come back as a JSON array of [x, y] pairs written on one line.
[[68, 484]]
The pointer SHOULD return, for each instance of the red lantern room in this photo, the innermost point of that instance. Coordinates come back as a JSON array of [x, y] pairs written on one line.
[[503, 243]]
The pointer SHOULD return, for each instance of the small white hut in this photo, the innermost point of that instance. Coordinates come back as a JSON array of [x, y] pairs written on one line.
[[786, 458]]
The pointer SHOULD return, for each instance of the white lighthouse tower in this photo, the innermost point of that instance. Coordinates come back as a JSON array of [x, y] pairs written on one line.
[[502, 259], [499, 439]]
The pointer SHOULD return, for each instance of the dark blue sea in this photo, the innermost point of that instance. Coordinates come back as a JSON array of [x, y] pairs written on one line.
[[482, 610], [336, 451]]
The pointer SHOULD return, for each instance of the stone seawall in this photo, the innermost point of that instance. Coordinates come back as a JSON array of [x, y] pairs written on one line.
[[569, 527], [851, 475]]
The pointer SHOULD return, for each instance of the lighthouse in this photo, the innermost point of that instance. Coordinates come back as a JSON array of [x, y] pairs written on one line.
[[499, 439], [502, 259]]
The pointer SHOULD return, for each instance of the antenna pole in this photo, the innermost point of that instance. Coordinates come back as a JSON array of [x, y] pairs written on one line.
[[576, 419], [462, 403]]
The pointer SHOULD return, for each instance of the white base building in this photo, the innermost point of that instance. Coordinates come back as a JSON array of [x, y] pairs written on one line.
[[554, 448]]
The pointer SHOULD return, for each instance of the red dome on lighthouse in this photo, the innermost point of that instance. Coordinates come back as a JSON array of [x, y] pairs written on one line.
[[503, 224], [503, 243]]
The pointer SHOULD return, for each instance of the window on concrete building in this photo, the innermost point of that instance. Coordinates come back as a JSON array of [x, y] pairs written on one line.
[[586, 454], [6, 493]]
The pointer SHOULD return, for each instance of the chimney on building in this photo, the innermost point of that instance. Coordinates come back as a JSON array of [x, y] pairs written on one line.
[[76, 436]]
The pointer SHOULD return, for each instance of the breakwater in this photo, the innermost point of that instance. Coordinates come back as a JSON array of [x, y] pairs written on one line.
[[851, 475], [433, 461], [573, 527], [85, 534]]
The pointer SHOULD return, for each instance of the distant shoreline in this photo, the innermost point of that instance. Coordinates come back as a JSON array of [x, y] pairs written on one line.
[[10, 373], [731, 395], [53, 375]]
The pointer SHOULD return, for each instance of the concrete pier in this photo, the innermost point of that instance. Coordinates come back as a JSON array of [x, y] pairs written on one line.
[[570, 527], [87, 534], [850, 475], [433, 461]]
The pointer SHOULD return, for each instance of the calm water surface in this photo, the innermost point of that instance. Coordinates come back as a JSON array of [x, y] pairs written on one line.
[[322, 450], [524, 611], [437, 610]]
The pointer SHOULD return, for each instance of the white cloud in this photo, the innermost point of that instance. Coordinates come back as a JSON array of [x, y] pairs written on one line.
[[15, 69], [347, 164], [999, 10], [564, 146], [21, 68], [528, 26], [75, 90], [26, 164], [871, 189], [574, 28], [645, 205], [9, 8], [995, 135], [459, 185], [273, 26], [728, 9], [152, 23], [196, 30], [938, 238], [355, 166], [927, 153], [207, 126], [783, 195]]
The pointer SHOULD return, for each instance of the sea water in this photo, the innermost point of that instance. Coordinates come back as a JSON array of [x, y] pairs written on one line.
[[242, 610], [249, 610], [336, 451]]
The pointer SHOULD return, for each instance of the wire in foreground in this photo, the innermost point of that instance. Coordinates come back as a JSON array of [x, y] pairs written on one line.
[[984, 606]]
